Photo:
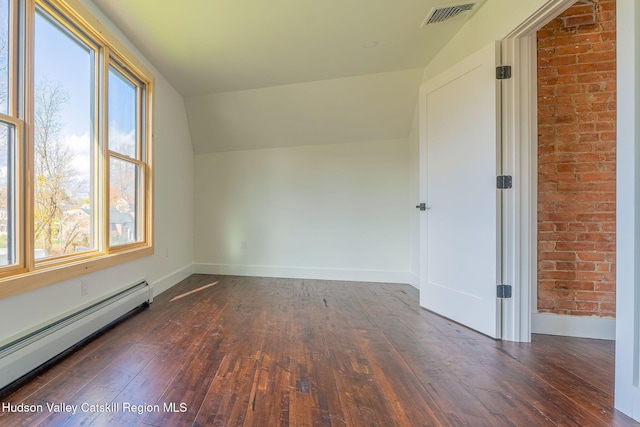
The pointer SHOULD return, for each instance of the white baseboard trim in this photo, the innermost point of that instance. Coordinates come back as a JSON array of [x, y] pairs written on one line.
[[573, 326], [376, 276], [171, 279]]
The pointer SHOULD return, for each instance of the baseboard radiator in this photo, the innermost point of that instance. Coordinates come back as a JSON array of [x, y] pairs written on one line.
[[25, 353]]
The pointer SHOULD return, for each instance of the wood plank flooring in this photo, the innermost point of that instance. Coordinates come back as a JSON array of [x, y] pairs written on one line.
[[285, 352]]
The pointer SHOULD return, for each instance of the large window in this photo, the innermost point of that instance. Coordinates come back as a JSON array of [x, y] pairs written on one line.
[[75, 149], [64, 105], [126, 158]]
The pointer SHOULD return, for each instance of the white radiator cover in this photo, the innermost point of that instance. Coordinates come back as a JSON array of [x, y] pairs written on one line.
[[21, 354]]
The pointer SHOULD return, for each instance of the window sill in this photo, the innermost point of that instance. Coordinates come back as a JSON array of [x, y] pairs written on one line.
[[45, 276]]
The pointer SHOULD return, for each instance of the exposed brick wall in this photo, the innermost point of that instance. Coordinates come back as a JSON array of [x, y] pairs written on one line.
[[576, 161]]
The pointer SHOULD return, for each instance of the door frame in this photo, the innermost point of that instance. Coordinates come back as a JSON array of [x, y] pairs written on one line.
[[627, 379], [520, 159]]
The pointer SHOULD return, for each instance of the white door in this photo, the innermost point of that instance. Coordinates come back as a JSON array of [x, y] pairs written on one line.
[[460, 230]]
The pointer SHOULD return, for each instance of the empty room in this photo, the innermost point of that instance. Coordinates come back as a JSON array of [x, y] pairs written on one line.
[[299, 213]]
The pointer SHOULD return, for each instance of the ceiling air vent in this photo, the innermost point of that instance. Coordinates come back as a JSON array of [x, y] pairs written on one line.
[[446, 13]]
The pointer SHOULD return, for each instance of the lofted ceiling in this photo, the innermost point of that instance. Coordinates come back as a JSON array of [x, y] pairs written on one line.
[[206, 47]]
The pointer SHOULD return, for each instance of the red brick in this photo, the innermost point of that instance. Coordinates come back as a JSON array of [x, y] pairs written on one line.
[[557, 275], [595, 217], [605, 287], [569, 266], [547, 72], [560, 256], [563, 60], [571, 204], [566, 304], [573, 49], [545, 304], [607, 247], [596, 77], [576, 226], [593, 227], [597, 237], [606, 207], [586, 266], [608, 136], [587, 306], [595, 296], [591, 256], [566, 167], [582, 68], [546, 265], [575, 246], [575, 285], [547, 186], [607, 6], [593, 197], [601, 56], [590, 157], [607, 307], [586, 167], [586, 127], [568, 79], [586, 186], [545, 285], [608, 35], [596, 176], [606, 126], [585, 36], [579, 147], [607, 116], [603, 46], [558, 216]]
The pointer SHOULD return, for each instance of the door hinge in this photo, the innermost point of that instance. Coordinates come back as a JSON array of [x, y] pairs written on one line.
[[505, 181], [503, 72], [504, 291]]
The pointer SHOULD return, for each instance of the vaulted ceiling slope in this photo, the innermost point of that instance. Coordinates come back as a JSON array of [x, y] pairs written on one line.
[[208, 47]]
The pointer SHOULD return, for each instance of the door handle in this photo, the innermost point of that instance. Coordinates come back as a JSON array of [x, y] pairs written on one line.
[[423, 207]]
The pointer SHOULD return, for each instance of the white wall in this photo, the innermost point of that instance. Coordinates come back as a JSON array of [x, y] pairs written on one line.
[[337, 211], [173, 223], [359, 108]]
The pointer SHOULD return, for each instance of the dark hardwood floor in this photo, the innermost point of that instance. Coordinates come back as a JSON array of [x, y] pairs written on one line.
[[271, 352]]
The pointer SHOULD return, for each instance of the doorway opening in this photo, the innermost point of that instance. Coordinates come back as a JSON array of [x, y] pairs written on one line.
[[576, 174]]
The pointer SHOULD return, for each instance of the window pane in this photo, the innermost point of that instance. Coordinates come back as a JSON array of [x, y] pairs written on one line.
[[7, 192], [4, 56], [123, 108], [63, 189], [124, 202]]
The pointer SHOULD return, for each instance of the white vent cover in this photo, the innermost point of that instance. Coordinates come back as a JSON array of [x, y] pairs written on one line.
[[446, 13]]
